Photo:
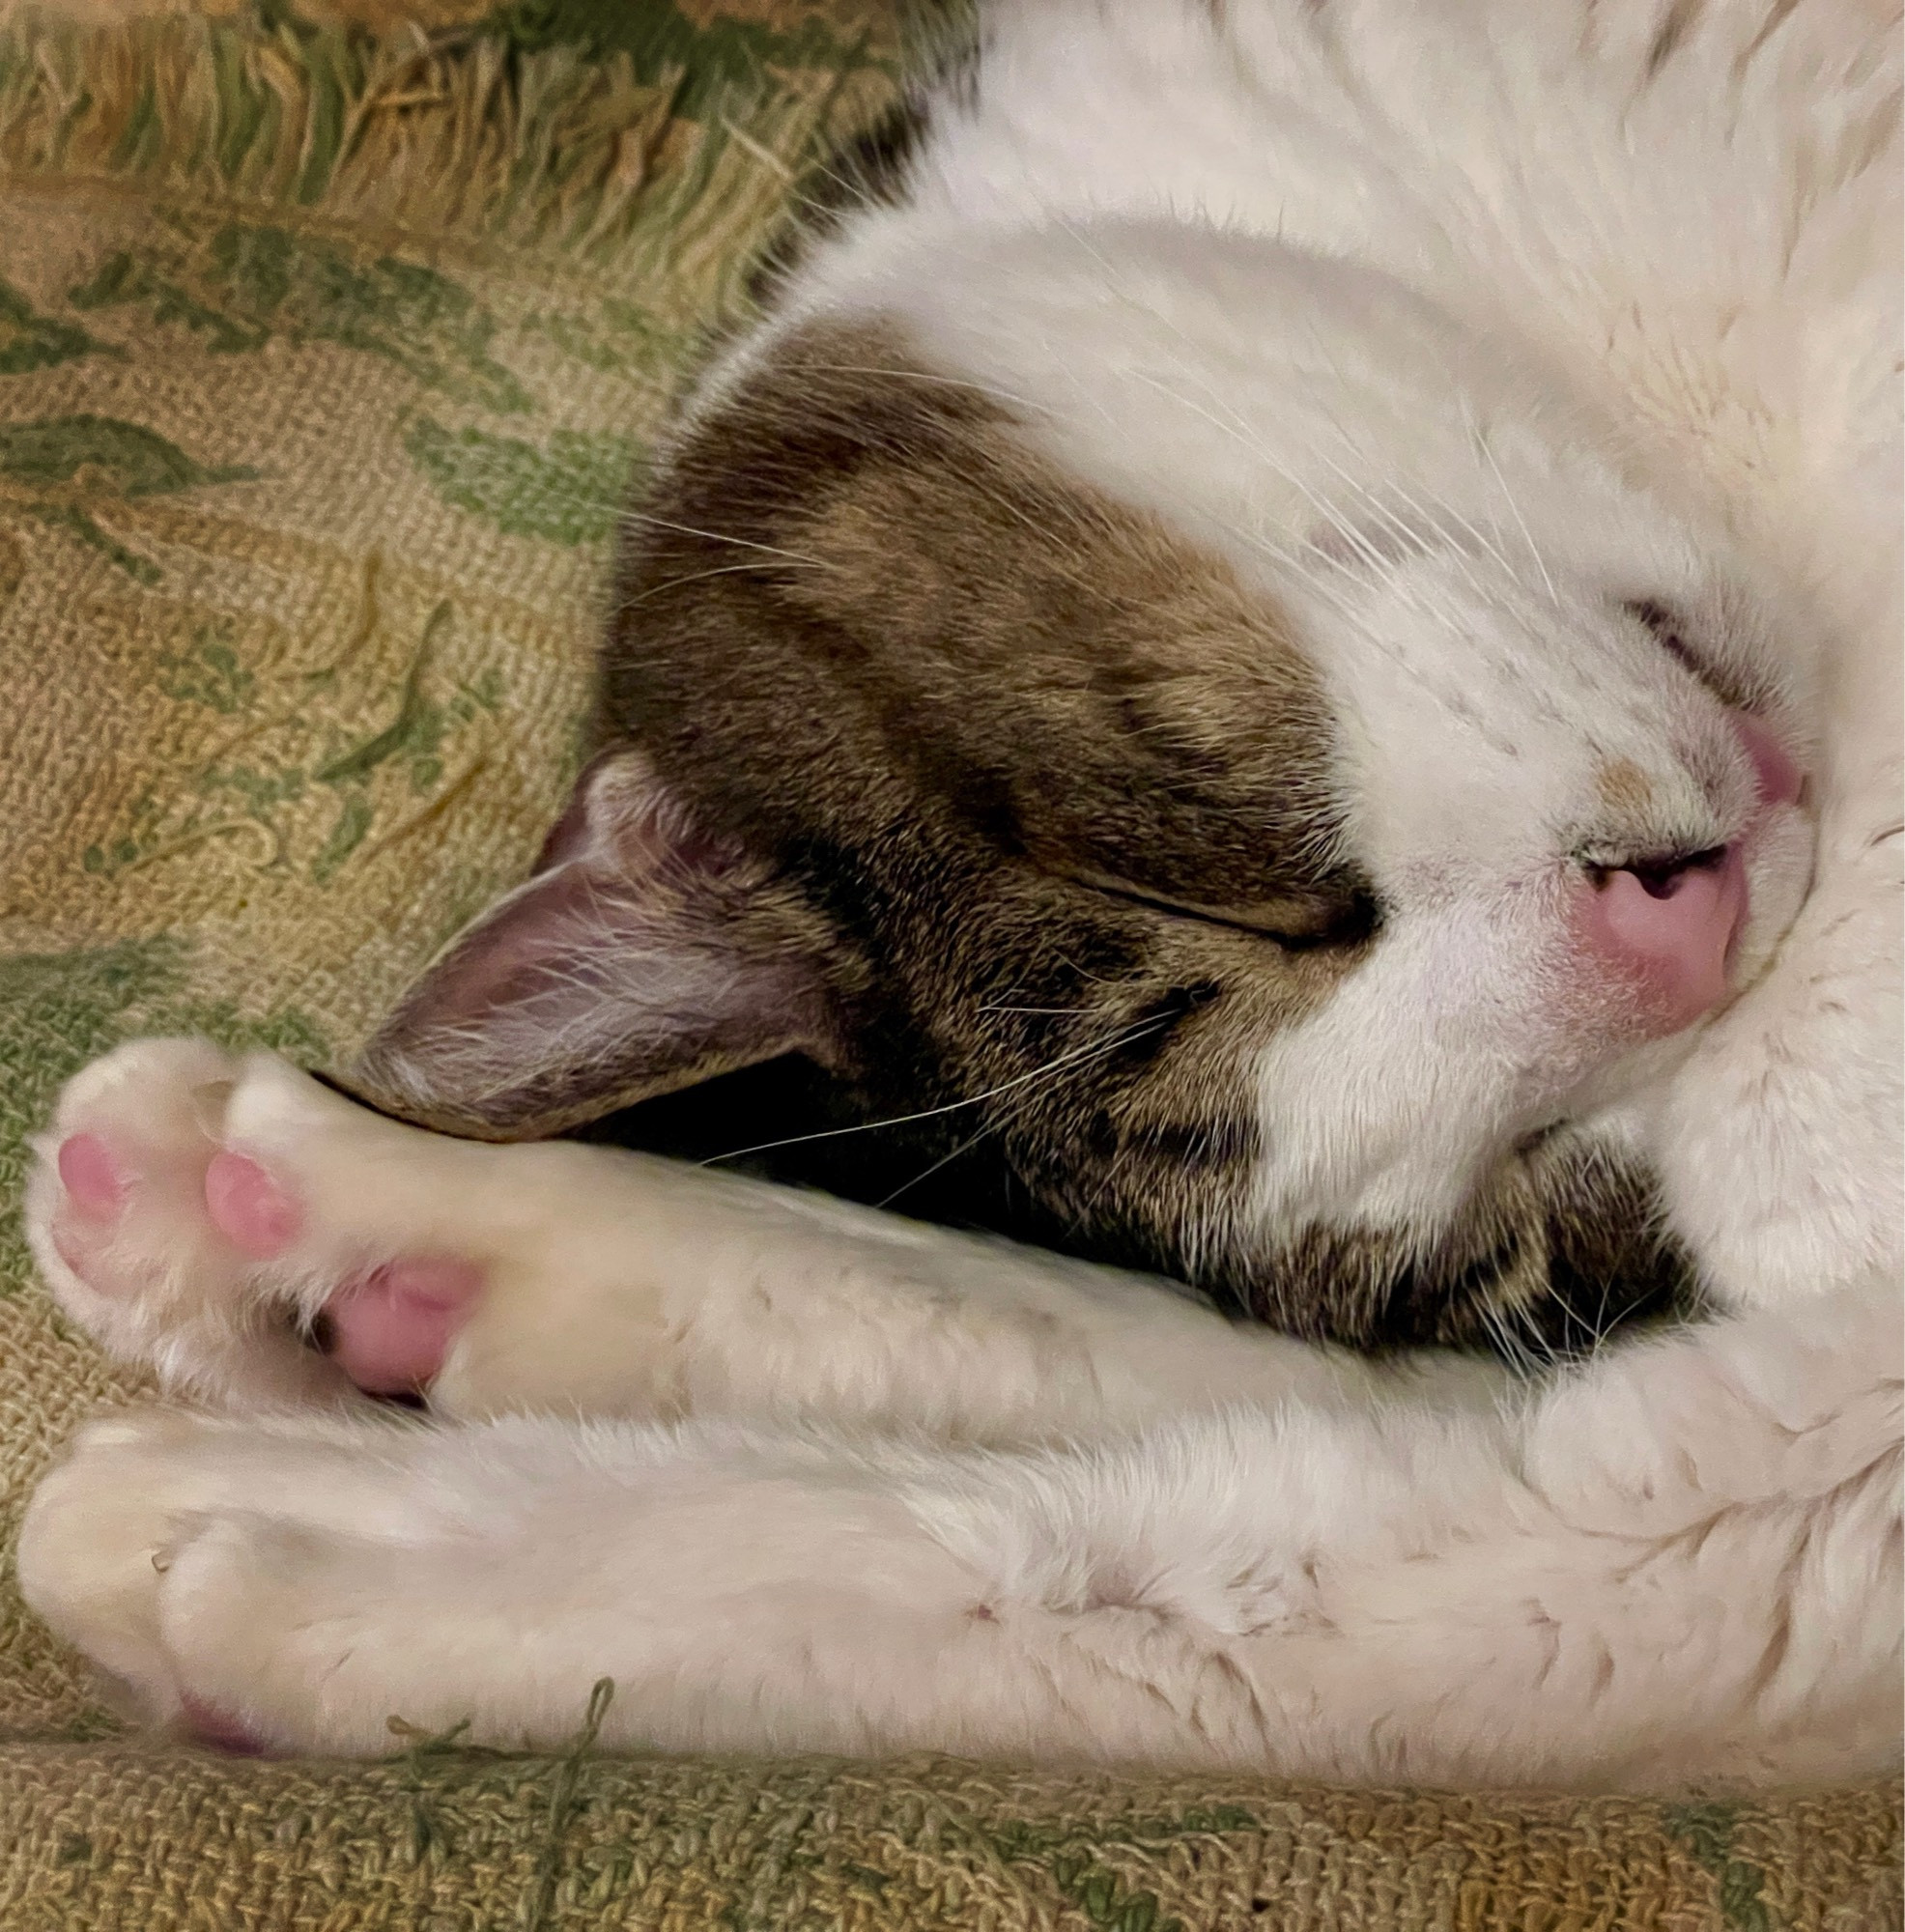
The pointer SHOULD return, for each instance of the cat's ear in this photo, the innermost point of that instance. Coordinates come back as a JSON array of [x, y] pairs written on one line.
[[644, 952]]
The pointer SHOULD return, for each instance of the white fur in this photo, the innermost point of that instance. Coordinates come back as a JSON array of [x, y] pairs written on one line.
[[1239, 379], [1678, 1567], [1362, 273]]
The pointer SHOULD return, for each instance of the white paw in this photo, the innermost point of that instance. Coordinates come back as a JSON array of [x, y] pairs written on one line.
[[199, 1212], [1779, 1137], [281, 1636], [98, 1538], [185, 1557]]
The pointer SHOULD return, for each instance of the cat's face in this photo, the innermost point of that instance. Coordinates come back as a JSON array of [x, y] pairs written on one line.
[[1187, 715]]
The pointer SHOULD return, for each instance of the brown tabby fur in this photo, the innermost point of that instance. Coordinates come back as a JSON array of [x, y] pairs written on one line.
[[1057, 792]]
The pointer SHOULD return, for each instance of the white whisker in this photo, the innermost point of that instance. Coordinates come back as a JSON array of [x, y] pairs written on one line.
[[1066, 1061]]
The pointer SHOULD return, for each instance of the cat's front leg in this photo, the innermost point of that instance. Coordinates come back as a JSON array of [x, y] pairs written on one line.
[[1681, 1568], [204, 1215], [214, 1216], [98, 1536], [293, 1584]]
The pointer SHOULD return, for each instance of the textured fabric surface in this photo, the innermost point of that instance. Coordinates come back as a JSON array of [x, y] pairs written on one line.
[[330, 341], [449, 1843]]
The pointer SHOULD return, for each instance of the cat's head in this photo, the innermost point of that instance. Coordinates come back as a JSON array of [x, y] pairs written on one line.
[[1190, 714]]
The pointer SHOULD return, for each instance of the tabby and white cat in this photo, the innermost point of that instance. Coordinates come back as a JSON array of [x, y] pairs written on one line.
[[1296, 625]]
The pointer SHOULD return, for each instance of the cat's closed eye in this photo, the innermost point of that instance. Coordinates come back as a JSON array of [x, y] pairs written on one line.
[[1296, 923], [1668, 630], [1693, 645]]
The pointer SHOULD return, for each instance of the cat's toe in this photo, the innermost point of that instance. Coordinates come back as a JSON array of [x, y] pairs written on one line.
[[189, 1559], [276, 1634], [115, 1204], [388, 1313], [172, 1246]]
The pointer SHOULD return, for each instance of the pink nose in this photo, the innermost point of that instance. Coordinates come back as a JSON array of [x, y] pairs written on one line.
[[1667, 929]]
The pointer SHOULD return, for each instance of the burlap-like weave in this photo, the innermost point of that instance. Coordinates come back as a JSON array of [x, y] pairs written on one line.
[[330, 341], [448, 1844]]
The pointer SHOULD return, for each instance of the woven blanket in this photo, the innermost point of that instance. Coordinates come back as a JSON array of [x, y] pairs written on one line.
[[331, 339]]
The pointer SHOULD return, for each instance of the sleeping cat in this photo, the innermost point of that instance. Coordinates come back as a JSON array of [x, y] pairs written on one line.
[[1294, 626]]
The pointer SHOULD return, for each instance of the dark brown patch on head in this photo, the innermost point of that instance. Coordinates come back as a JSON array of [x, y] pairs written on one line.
[[1031, 798], [915, 612], [1056, 780]]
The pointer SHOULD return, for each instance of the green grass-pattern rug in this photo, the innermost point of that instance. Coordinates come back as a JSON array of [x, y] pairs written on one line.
[[330, 341]]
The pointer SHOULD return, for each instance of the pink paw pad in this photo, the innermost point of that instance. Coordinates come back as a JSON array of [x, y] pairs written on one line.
[[91, 1176], [249, 1208], [390, 1331], [218, 1730]]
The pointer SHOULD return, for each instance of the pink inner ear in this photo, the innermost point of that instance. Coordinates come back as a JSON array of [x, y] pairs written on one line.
[[626, 966], [623, 820], [624, 874], [511, 954]]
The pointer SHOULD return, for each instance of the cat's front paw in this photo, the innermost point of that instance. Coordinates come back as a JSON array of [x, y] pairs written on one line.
[[162, 1546], [92, 1548], [202, 1214], [1779, 1137]]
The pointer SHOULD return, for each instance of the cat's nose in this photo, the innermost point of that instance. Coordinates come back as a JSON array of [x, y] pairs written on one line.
[[1665, 925]]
